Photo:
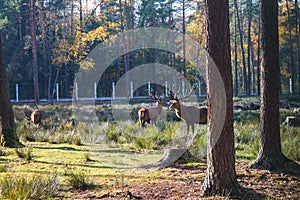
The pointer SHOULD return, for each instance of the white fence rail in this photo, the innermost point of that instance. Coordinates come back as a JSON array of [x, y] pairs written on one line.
[[75, 97]]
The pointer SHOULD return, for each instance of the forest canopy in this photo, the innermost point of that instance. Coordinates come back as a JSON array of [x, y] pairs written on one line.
[[44, 41]]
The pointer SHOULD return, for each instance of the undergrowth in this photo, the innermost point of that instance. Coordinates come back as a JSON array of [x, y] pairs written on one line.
[[29, 187]]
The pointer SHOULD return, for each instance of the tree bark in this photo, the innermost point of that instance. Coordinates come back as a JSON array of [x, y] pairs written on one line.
[[291, 59], [220, 176], [298, 43], [236, 78], [8, 136], [249, 50], [242, 49], [34, 50], [270, 155]]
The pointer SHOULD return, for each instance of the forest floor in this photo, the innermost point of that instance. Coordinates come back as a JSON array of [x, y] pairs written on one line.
[[183, 181]]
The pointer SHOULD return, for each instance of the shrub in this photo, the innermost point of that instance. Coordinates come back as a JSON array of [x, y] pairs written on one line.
[[24, 153], [78, 180], [113, 133]]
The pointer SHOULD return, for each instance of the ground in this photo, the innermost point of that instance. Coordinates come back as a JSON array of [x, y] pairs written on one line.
[[183, 181]]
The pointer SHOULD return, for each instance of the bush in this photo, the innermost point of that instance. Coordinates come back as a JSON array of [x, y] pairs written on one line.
[[24, 153], [37, 187], [78, 180]]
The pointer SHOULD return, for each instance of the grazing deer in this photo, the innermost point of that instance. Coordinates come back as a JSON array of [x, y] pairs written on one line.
[[189, 114], [150, 114], [35, 117], [70, 123]]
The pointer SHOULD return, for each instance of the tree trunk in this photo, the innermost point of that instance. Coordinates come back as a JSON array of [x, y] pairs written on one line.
[[183, 39], [291, 59], [249, 49], [8, 136], [236, 78], [258, 53], [242, 49], [298, 43], [34, 50], [270, 155], [220, 176]]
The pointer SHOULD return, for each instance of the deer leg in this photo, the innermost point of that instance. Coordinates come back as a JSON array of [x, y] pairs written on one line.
[[193, 128], [187, 128], [154, 121]]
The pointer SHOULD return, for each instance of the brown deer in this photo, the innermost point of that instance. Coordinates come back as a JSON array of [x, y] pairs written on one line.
[[150, 114], [70, 123], [191, 115], [35, 117]]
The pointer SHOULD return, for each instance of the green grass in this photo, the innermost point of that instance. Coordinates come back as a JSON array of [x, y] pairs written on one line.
[[79, 180], [25, 187], [108, 154]]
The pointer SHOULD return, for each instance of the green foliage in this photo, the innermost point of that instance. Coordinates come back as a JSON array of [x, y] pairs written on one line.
[[87, 157], [290, 141], [78, 180], [35, 187], [24, 153], [113, 133]]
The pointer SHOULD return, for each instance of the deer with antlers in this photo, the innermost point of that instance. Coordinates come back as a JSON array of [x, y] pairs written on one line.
[[191, 115], [35, 117], [150, 114]]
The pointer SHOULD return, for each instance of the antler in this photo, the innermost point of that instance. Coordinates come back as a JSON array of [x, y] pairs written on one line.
[[36, 106], [173, 95], [25, 114], [189, 93]]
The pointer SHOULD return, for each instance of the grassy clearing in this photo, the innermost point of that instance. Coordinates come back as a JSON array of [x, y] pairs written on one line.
[[108, 154]]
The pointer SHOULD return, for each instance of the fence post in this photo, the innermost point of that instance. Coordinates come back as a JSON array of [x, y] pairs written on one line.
[[57, 92], [166, 88], [17, 92], [113, 90], [199, 87], [131, 89], [149, 88], [183, 89], [76, 91], [291, 88], [95, 90]]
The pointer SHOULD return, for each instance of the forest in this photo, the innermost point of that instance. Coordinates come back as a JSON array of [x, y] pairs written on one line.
[[158, 99], [44, 42]]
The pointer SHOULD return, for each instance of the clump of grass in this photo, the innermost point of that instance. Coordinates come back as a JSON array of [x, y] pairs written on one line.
[[37, 187], [78, 180], [2, 153], [246, 139], [3, 168], [290, 140], [113, 133], [87, 157], [24, 153]]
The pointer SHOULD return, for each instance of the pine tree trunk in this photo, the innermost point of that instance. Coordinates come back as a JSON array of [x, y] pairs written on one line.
[[8, 136], [258, 53], [270, 155], [221, 176], [236, 78], [298, 43], [249, 49], [34, 50], [242, 49]]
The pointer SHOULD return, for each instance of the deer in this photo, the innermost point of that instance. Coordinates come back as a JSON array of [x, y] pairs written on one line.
[[191, 115], [150, 114], [35, 117]]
